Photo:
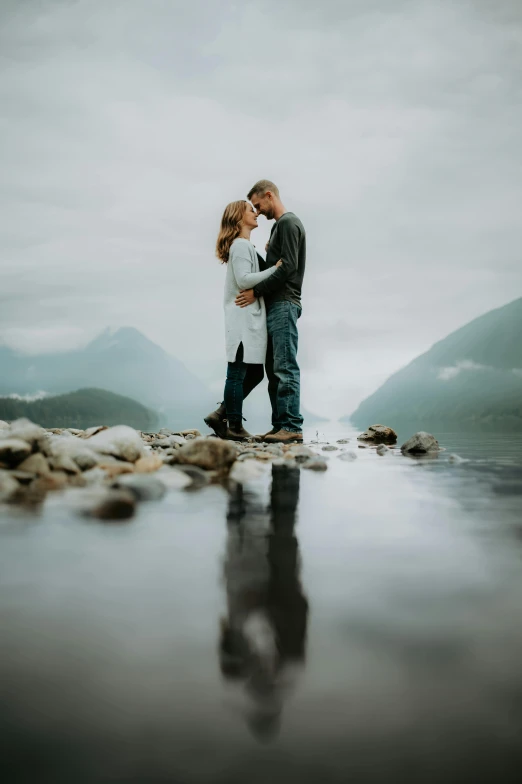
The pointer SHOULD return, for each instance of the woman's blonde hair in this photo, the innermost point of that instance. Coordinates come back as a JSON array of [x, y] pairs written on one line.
[[230, 228]]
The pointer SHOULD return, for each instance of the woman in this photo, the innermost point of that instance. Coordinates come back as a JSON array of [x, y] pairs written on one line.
[[245, 328]]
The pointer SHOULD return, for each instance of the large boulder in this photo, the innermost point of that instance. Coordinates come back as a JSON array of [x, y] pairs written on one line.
[[120, 441], [212, 454], [379, 434], [420, 444]]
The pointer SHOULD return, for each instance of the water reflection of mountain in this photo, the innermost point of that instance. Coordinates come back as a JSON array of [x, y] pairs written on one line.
[[263, 637]]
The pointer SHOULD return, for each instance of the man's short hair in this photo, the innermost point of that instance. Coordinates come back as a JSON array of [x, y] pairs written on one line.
[[261, 187]]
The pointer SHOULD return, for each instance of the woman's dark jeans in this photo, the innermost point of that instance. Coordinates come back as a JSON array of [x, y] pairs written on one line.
[[241, 380]]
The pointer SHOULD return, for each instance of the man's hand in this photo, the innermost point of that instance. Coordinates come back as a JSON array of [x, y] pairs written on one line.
[[245, 298]]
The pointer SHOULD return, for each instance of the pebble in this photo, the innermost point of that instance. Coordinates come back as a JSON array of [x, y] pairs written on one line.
[[143, 486], [316, 465], [348, 457], [343, 441], [330, 448]]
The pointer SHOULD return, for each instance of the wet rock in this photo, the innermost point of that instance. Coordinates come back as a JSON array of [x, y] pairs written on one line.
[[420, 444], [379, 434], [174, 479], [251, 471], [113, 505], [62, 462], [382, 450], [316, 465], [94, 476], [299, 450], [148, 464], [273, 449], [36, 465], [143, 486], [330, 448], [343, 441], [8, 487], [55, 480], [27, 431], [457, 459], [208, 453], [361, 446], [348, 457], [74, 448], [120, 441], [13, 451]]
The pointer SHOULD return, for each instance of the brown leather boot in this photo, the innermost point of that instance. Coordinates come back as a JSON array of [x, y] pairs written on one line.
[[270, 433], [236, 432], [284, 437], [217, 421]]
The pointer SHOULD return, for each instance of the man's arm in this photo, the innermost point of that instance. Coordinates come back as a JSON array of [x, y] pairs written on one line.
[[290, 235]]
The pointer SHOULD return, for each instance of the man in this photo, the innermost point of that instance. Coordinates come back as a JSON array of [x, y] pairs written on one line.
[[282, 294]]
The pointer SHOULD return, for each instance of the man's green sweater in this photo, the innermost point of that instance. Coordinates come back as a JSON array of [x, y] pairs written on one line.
[[288, 243]]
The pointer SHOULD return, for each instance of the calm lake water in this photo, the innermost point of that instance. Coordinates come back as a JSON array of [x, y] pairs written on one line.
[[146, 651]]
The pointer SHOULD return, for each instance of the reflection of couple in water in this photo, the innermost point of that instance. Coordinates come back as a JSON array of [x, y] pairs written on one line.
[[262, 642]]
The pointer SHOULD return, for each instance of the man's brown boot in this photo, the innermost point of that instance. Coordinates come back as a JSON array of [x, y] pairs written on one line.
[[236, 432], [284, 437], [270, 433], [217, 421]]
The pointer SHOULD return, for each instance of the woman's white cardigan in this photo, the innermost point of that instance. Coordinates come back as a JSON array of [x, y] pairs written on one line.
[[245, 325]]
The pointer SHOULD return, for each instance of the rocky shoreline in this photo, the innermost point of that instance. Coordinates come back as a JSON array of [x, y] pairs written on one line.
[[104, 472]]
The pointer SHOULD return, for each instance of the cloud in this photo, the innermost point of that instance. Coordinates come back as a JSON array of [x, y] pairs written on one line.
[[391, 129], [463, 365]]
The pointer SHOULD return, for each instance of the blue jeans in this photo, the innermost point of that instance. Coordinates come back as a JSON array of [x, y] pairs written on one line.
[[284, 381], [241, 380]]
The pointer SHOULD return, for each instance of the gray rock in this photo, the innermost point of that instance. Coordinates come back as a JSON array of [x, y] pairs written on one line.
[[8, 487], [62, 462], [144, 487], [379, 434], [348, 457], [120, 441], [74, 448], [420, 444], [343, 441], [273, 449], [175, 479], [251, 471], [382, 450], [330, 448], [208, 453], [316, 465], [94, 476], [13, 451]]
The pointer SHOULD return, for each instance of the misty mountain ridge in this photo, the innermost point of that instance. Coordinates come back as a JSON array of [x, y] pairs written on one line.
[[124, 361], [472, 378]]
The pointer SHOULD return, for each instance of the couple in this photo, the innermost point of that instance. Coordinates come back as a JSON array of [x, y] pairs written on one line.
[[262, 304]]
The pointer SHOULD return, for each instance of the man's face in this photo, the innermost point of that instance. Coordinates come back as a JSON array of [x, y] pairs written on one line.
[[264, 205]]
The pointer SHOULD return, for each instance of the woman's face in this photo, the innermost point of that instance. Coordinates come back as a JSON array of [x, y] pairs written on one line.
[[250, 217]]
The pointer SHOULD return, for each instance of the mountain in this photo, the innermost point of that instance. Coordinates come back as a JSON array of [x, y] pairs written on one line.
[[472, 378], [124, 362], [82, 409]]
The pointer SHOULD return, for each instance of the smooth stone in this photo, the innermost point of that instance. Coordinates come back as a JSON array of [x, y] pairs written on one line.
[[25, 430], [210, 454], [316, 465], [379, 434], [180, 480], [199, 477], [148, 464], [13, 451], [116, 468], [245, 472], [94, 476], [143, 486], [35, 464], [74, 448], [120, 441], [330, 448], [192, 432], [348, 457], [382, 450], [420, 444], [63, 462], [112, 505], [343, 441], [55, 480], [74, 431]]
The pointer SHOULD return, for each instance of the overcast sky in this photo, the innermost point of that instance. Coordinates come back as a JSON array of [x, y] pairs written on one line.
[[392, 127]]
